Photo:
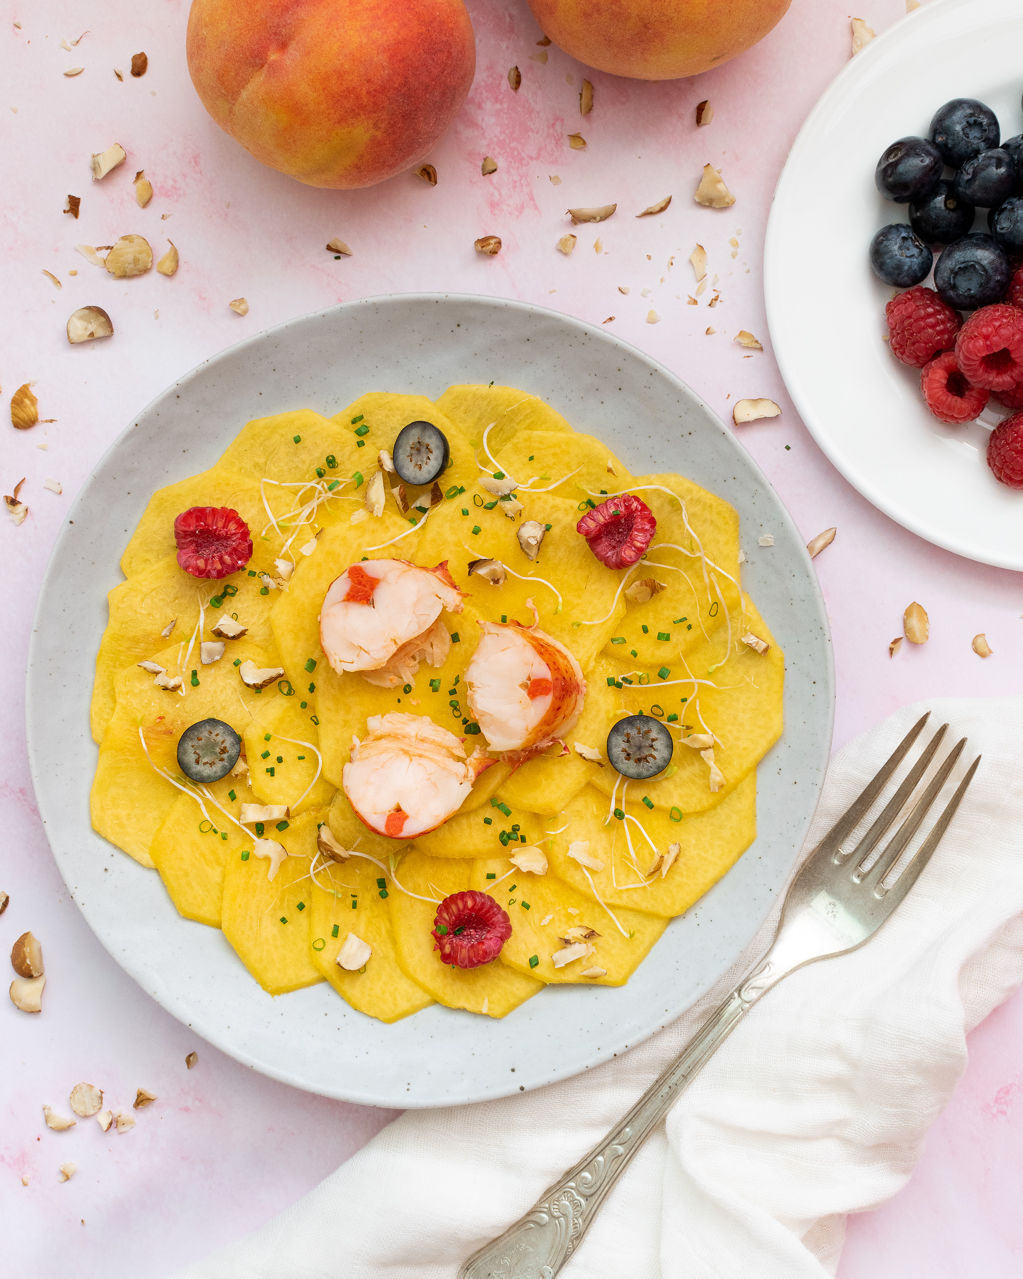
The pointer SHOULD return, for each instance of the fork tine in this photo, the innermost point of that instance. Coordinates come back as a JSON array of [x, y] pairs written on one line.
[[922, 856], [897, 844], [854, 814], [895, 805]]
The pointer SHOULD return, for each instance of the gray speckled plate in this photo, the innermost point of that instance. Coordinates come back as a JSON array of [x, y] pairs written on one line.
[[422, 344]]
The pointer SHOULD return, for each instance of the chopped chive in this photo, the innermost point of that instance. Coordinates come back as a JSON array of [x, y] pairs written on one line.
[[664, 635], [381, 883], [319, 943], [296, 439], [271, 771], [331, 461], [406, 688], [489, 506], [335, 930], [435, 685], [195, 679], [320, 472], [455, 637], [648, 801], [312, 688], [645, 629], [617, 639], [442, 930], [360, 418], [504, 617], [264, 590], [245, 854], [361, 430], [488, 821], [664, 672], [265, 755], [231, 795], [229, 589], [675, 813], [216, 601], [383, 893], [475, 530], [534, 961], [524, 905], [360, 444], [504, 809], [285, 688], [634, 654], [472, 727], [259, 830], [672, 718], [611, 681], [451, 492], [280, 759], [355, 903], [282, 825], [284, 919], [300, 906], [491, 874], [237, 661], [333, 485], [314, 719], [310, 664], [465, 510], [620, 814]]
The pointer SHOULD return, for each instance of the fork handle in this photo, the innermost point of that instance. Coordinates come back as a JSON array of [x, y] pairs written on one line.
[[539, 1243]]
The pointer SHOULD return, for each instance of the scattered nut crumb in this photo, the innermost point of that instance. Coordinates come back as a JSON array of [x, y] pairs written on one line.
[[577, 142], [91, 254], [566, 244], [59, 1123], [765, 539], [488, 166], [586, 98], [105, 1118], [74, 203], [652, 317], [16, 509], [50, 276], [143, 189], [143, 1099], [554, 180], [754, 642], [87, 324], [623, 288], [73, 71], [894, 645], [5, 899], [861, 35], [746, 339], [259, 677], [657, 207], [540, 57], [139, 63], [53, 486], [916, 624], [123, 1121], [67, 1170], [27, 956], [86, 1100], [515, 79], [712, 191], [24, 408], [27, 993], [598, 214], [822, 540], [130, 255], [488, 245], [168, 264], [980, 645], [104, 162], [239, 306], [339, 247], [428, 173], [753, 410], [704, 113], [569, 954], [190, 1060]]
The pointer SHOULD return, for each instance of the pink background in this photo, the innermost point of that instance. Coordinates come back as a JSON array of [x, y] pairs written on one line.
[[223, 1148]]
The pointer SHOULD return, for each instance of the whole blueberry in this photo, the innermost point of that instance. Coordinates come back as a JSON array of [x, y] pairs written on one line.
[[963, 128], [972, 272], [941, 217], [908, 170], [1014, 146], [1006, 224], [898, 257], [987, 179]]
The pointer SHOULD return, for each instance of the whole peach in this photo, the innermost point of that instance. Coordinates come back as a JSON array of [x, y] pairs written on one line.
[[336, 93], [656, 39]]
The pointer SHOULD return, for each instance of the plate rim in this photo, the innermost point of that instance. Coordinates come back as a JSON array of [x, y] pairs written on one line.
[[824, 703], [775, 272]]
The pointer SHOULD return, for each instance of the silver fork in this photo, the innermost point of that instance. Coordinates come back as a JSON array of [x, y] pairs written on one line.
[[837, 901]]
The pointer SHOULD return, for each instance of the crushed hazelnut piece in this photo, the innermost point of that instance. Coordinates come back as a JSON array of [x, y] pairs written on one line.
[[586, 98], [16, 509], [338, 246], [139, 63], [239, 306], [53, 486], [765, 539], [577, 142], [652, 317], [894, 645], [168, 264], [169, 683], [488, 166], [488, 245], [190, 1060], [5, 899], [354, 954], [87, 324], [227, 628], [643, 589], [698, 261], [105, 1119], [712, 191], [579, 851], [663, 862], [59, 1123], [569, 954], [376, 494], [86, 1100], [754, 642], [210, 651], [530, 534], [143, 189], [428, 173], [593, 973], [329, 845], [27, 956], [131, 255], [698, 741], [143, 1098], [657, 207], [822, 540], [754, 411], [980, 645], [24, 408], [588, 753], [104, 162], [704, 113], [598, 214], [73, 71], [67, 1170], [566, 244], [746, 339], [27, 993], [123, 1121], [861, 35], [529, 859], [715, 779], [249, 813], [50, 276], [915, 623], [74, 203], [515, 79], [270, 850], [579, 932]]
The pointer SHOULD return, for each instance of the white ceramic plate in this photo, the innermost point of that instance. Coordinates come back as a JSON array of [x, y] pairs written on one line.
[[311, 1038], [825, 307]]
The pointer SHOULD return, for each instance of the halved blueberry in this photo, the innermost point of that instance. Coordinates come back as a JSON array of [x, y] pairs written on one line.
[[639, 746], [420, 453], [208, 750]]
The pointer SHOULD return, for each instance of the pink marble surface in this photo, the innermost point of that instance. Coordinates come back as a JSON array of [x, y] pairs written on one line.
[[223, 1148]]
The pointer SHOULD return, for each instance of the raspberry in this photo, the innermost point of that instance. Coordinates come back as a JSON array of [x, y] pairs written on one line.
[[469, 929], [949, 395], [212, 541], [619, 530], [1010, 396], [989, 346], [920, 325], [1005, 451]]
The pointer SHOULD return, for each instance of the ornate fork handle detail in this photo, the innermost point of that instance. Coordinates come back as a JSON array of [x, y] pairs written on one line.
[[539, 1243]]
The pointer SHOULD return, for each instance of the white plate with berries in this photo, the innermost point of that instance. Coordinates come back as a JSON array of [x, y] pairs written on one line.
[[879, 419]]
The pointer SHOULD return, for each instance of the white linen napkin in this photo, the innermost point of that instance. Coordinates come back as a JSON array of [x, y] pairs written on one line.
[[815, 1107]]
